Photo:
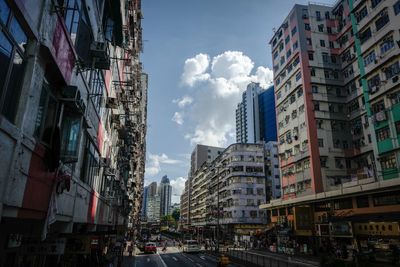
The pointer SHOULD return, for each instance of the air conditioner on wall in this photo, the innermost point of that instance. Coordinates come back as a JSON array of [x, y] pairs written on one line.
[[71, 95]]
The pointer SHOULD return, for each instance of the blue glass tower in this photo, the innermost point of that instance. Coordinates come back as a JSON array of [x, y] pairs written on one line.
[[266, 104]]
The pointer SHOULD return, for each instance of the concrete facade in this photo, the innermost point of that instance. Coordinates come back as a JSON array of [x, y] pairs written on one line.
[[72, 126]]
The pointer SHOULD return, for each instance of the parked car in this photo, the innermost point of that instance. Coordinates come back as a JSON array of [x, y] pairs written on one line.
[[150, 247]]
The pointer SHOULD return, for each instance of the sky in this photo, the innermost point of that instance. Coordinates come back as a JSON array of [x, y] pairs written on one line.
[[200, 55]]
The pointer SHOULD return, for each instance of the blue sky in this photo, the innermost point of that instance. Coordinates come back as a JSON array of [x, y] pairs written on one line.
[[200, 55]]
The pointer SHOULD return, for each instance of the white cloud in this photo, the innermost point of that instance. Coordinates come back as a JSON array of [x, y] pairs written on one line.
[[178, 185], [178, 118], [214, 100], [154, 161], [231, 64], [195, 68], [184, 101]]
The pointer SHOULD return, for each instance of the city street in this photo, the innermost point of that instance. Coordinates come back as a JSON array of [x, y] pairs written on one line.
[[171, 258]]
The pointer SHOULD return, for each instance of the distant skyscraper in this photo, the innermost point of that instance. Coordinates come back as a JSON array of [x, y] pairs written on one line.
[[152, 189], [267, 115], [255, 115], [144, 202], [247, 115], [165, 192]]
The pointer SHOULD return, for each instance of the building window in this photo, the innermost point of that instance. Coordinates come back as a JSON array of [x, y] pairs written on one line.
[[325, 57], [314, 89], [72, 16], [386, 199], [295, 45], [397, 125], [312, 72], [329, 30], [387, 44], [310, 55], [396, 8], [287, 39], [327, 16], [309, 42], [318, 15], [362, 202], [320, 142], [382, 20], [383, 134], [47, 115], [370, 58], [307, 26], [323, 160], [321, 27], [12, 47], [392, 70], [331, 44], [322, 43], [341, 204], [365, 35], [326, 74], [294, 30], [298, 76], [362, 14], [374, 3], [316, 105], [91, 166], [388, 162]]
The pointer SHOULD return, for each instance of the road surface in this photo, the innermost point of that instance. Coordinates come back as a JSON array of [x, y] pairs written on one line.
[[173, 257]]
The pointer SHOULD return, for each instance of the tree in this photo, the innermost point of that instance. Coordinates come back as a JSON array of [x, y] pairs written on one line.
[[176, 214]]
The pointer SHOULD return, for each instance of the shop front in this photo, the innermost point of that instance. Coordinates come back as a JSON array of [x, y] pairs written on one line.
[[342, 242], [378, 241]]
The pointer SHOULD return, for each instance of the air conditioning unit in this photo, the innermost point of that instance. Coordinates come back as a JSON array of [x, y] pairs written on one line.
[[99, 49], [71, 95]]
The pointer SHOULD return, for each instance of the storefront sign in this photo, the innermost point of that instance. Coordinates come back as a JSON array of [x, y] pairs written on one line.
[[303, 218], [341, 229], [48, 247], [377, 229]]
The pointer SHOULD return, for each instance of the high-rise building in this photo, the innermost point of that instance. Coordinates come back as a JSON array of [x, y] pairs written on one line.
[[202, 154], [255, 115], [272, 171], [184, 206], [336, 74], [144, 203], [153, 208], [165, 193], [152, 189], [267, 115]]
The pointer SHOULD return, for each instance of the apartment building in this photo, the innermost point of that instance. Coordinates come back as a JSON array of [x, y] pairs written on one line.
[[72, 129], [335, 75], [184, 207], [236, 188], [272, 171]]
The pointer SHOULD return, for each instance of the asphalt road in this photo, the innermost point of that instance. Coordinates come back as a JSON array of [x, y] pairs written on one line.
[[172, 258]]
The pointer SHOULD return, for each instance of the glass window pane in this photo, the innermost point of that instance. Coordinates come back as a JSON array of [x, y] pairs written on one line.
[[18, 34], [5, 55], [70, 135], [10, 107], [4, 11]]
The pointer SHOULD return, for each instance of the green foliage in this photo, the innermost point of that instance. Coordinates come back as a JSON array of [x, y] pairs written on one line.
[[176, 214]]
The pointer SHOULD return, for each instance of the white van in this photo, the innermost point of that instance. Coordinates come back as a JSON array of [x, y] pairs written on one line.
[[191, 246]]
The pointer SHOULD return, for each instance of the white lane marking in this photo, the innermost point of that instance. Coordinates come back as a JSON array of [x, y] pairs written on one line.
[[162, 261], [175, 258], [190, 259], [198, 264], [148, 259], [203, 258]]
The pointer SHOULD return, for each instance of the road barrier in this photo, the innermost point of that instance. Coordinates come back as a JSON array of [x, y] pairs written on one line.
[[263, 260]]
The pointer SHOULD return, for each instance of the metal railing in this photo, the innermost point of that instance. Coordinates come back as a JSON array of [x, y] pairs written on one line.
[[264, 260]]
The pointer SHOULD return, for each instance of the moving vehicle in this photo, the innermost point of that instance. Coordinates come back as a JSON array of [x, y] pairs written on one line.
[[150, 247], [191, 246]]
